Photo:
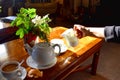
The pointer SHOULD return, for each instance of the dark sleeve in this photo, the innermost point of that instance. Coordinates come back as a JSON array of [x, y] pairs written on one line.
[[8, 34], [112, 33]]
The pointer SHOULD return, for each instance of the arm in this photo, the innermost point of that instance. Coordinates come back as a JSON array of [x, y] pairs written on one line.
[[110, 33], [96, 31]]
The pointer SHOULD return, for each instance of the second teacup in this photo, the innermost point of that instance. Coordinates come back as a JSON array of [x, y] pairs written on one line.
[[11, 70]]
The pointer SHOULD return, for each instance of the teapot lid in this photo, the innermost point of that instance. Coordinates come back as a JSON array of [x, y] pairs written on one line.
[[42, 44]]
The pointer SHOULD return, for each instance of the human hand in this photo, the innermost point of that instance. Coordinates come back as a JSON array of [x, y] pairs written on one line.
[[82, 31], [78, 30]]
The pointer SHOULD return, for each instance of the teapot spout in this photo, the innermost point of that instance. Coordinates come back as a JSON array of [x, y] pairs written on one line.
[[29, 49]]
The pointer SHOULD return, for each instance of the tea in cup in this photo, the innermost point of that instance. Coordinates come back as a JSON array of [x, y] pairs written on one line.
[[11, 70]]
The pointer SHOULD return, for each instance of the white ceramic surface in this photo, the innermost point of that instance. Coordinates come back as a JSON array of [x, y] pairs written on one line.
[[61, 43], [30, 62], [24, 73], [42, 53]]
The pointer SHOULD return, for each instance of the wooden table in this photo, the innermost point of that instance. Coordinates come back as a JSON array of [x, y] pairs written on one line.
[[67, 62]]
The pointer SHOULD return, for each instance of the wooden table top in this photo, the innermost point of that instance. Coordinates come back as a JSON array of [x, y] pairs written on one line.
[[14, 50]]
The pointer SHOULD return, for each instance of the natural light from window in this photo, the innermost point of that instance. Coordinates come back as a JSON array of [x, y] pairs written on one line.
[[3, 52], [1, 25]]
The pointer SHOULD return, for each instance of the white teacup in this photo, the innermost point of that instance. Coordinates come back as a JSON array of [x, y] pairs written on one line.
[[70, 37], [11, 70]]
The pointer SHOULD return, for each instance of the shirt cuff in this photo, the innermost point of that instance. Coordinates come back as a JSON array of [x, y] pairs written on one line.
[[109, 33]]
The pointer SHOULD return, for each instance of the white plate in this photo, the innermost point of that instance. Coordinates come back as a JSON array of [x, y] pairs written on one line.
[[10, 17], [30, 62], [61, 43], [24, 73]]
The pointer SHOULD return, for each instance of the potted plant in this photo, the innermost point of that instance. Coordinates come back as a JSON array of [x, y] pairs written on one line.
[[28, 22]]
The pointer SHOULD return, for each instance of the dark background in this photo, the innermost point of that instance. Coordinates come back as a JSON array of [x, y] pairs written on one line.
[[107, 13]]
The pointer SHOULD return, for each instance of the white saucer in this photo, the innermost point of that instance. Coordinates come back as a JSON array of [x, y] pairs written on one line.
[[30, 62], [24, 73]]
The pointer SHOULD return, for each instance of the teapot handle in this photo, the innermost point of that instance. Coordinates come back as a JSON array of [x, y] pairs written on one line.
[[58, 47]]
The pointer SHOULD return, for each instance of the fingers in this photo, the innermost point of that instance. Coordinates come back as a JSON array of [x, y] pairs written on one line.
[[77, 26], [79, 30], [82, 31]]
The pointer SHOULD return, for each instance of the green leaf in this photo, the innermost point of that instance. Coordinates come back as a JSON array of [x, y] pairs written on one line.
[[26, 31], [20, 32], [19, 22], [26, 25], [32, 12], [23, 10], [12, 23]]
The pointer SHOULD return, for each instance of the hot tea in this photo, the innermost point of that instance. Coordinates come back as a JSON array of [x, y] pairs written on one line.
[[10, 67]]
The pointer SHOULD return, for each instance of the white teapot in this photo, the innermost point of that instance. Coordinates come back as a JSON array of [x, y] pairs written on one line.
[[42, 53]]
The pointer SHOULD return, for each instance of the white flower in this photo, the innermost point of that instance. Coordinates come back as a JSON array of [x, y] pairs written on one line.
[[46, 16], [37, 20], [46, 19]]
